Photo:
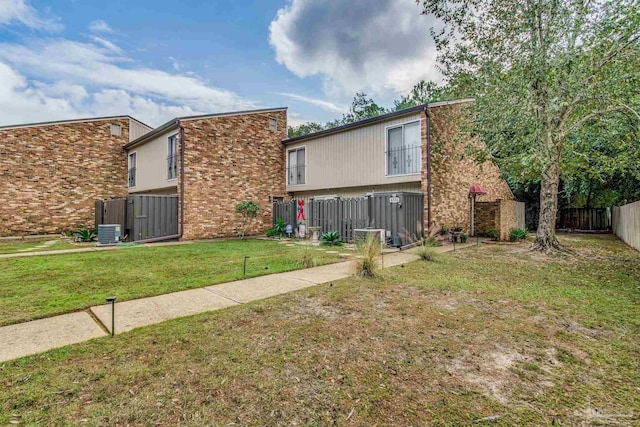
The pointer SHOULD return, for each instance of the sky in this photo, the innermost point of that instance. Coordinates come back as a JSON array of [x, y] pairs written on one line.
[[156, 60]]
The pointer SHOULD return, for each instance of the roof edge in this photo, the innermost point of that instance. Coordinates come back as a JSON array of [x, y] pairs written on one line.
[[81, 120], [373, 120], [176, 121]]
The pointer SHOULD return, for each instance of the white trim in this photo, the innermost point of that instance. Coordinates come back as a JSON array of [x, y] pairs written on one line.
[[233, 113], [305, 165], [386, 147], [168, 154], [129, 167], [70, 121]]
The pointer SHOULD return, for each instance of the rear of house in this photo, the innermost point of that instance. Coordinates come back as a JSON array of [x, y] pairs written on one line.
[[416, 150], [53, 172]]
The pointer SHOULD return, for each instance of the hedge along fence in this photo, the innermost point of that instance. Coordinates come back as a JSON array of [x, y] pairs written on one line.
[[626, 223]]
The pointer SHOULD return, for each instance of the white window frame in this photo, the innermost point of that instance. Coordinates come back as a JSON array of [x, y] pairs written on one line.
[[135, 155], [175, 135], [386, 147], [305, 165]]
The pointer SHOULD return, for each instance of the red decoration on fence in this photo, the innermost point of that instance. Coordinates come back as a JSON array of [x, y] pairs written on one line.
[[300, 216]]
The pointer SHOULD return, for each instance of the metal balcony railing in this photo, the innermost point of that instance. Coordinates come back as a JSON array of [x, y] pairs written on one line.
[[404, 160], [296, 175], [172, 166]]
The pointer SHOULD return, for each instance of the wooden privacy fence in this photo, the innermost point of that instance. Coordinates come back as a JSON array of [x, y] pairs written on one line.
[[520, 215], [584, 219], [400, 214], [141, 217], [626, 223]]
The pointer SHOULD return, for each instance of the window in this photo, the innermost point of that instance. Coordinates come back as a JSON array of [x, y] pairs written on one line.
[[273, 124], [116, 129], [404, 150], [132, 169], [172, 157], [296, 159]]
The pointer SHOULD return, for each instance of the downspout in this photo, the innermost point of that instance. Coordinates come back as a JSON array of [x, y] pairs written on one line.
[[426, 111], [181, 179]]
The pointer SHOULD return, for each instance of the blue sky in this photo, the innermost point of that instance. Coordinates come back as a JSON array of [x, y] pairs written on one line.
[[156, 59]]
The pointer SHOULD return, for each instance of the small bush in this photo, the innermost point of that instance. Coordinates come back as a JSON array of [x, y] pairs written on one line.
[[443, 231], [249, 211], [307, 260], [516, 234], [85, 234], [426, 252], [368, 250], [432, 242], [492, 233], [278, 230], [332, 238], [457, 229]]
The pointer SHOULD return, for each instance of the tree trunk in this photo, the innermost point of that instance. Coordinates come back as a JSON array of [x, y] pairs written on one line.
[[546, 235]]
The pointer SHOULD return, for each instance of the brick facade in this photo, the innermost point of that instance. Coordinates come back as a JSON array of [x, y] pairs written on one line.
[[453, 171], [228, 160], [52, 174]]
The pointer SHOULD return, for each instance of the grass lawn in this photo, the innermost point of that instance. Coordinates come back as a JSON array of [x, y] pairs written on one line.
[[17, 246], [42, 286], [494, 331]]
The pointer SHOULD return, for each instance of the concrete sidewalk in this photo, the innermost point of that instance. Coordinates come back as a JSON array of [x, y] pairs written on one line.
[[33, 337]]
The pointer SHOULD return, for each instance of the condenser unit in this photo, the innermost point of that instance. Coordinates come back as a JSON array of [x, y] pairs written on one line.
[[108, 234]]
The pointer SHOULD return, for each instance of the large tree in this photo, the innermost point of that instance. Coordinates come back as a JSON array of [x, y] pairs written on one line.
[[543, 73]]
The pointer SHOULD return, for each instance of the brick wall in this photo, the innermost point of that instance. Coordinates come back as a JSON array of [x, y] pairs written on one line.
[[229, 160], [453, 171], [499, 214], [52, 174]]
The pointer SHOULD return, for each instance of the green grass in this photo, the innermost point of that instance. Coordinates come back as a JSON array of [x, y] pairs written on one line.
[[493, 331], [18, 246], [42, 286]]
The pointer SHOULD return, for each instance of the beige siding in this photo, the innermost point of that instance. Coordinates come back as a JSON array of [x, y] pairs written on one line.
[[137, 129], [409, 187], [151, 164], [352, 158]]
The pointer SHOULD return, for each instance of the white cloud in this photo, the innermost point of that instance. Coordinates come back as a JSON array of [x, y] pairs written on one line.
[[20, 11], [100, 26], [106, 43], [174, 62], [72, 79], [325, 105], [355, 45]]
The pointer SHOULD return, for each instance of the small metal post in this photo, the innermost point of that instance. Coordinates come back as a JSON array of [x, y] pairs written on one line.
[[244, 268], [112, 300]]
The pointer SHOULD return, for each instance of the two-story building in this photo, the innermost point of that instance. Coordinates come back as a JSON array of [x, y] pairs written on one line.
[[420, 149]]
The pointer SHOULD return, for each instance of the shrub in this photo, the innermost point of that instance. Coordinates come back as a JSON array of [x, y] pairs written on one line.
[[516, 234], [443, 231], [457, 229], [368, 251], [307, 260], [493, 233], [331, 238], [278, 230], [426, 252], [85, 234], [432, 242], [249, 211]]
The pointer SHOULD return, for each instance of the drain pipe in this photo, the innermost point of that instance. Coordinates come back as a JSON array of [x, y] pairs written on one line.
[[426, 111], [181, 179]]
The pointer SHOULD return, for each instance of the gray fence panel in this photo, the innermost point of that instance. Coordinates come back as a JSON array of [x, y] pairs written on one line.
[[403, 220]]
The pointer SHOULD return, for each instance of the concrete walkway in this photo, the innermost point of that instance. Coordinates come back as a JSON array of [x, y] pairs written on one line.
[[33, 337]]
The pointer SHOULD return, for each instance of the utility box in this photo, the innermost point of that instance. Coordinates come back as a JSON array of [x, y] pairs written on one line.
[[361, 234], [109, 234]]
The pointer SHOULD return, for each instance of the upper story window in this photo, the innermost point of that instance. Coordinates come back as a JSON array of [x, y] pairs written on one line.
[[132, 169], [116, 129], [273, 124], [296, 166], [404, 149], [172, 157]]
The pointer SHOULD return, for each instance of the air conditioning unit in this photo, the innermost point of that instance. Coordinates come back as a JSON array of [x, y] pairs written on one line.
[[361, 234], [108, 234]]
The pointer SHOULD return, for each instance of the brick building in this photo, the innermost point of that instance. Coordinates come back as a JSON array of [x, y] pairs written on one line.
[[52, 172]]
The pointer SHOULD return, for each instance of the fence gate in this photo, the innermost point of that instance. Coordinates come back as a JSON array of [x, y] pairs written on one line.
[[141, 217], [400, 214]]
